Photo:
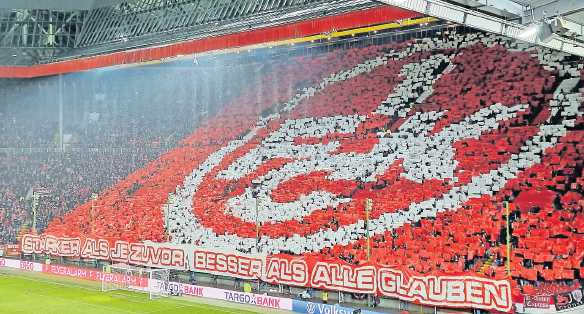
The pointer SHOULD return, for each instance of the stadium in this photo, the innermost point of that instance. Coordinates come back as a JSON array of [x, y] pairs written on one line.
[[291, 156]]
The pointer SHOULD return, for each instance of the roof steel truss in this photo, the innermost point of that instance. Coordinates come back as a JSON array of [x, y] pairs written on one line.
[[134, 19]]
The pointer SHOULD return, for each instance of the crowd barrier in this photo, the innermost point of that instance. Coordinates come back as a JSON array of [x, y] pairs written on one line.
[[570, 302]]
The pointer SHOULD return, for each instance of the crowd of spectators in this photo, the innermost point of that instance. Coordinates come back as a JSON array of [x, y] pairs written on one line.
[[112, 124], [122, 129], [61, 181]]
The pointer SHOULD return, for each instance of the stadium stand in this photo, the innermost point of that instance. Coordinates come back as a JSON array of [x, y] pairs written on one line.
[[110, 137], [437, 139]]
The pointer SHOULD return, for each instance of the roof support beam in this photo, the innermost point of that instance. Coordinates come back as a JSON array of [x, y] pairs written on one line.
[[455, 13], [552, 9], [575, 28], [505, 5], [558, 8], [505, 8]]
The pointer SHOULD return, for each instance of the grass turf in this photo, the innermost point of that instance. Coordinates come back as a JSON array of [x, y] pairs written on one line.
[[27, 293]]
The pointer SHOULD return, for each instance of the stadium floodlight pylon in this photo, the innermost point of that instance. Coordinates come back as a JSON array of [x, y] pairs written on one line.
[[134, 278]]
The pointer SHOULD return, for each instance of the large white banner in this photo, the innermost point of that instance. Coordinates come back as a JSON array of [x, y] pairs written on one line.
[[446, 290], [146, 254]]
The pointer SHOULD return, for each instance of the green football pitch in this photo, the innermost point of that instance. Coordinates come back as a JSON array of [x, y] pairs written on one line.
[[22, 292]]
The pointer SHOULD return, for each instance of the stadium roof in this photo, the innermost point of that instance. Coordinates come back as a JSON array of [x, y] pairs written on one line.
[[54, 31], [554, 24], [37, 32], [65, 5]]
